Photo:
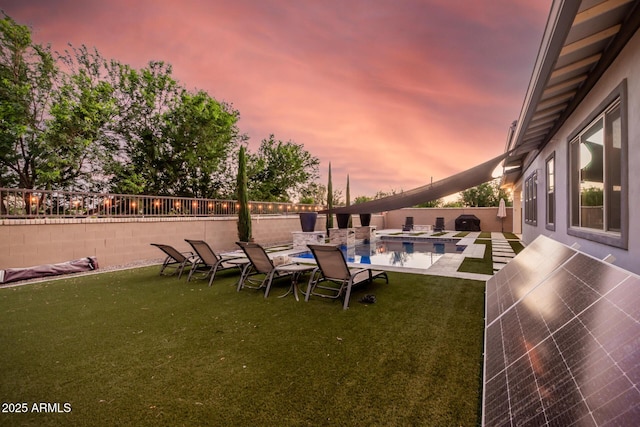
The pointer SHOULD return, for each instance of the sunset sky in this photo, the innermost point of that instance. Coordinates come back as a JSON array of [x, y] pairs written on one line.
[[393, 93]]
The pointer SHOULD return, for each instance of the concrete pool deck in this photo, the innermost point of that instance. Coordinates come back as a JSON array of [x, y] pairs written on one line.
[[448, 263]]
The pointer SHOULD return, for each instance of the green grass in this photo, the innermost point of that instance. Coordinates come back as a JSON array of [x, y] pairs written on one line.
[[462, 234], [133, 348], [510, 236], [516, 246], [479, 265]]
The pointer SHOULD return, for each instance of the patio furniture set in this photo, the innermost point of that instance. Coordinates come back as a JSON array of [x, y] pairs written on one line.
[[330, 277], [410, 226]]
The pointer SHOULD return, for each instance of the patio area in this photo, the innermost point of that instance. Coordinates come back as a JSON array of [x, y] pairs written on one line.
[[126, 344], [448, 264]]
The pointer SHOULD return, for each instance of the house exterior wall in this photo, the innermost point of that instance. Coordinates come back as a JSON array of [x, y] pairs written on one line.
[[626, 66]]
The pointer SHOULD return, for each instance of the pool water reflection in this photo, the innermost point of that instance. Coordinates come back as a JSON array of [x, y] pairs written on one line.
[[397, 253]]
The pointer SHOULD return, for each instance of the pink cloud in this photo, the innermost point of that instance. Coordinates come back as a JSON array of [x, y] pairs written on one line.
[[392, 93]]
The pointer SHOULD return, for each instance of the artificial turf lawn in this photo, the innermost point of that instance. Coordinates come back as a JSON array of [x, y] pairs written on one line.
[[482, 265], [133, 348]]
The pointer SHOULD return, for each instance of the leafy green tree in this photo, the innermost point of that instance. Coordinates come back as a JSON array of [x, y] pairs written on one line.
[[244, 214], [52, 122], [279, 171], [313, 193], [431, 204], [27, 77], [362, 199], [200, 132], [484, 195], [382, 194], [337, 198], [453, 204], [103, 125], [168, 140], [80, 110]]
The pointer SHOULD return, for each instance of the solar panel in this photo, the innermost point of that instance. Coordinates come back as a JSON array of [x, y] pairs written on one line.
[[522, 273], [567, 349]]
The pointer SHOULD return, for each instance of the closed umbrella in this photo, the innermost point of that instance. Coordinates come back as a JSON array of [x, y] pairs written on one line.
[[502, 212]]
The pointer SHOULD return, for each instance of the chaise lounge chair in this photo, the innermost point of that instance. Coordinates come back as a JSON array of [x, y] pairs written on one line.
[[260, 265], [175, 259], [408, 224], [333, 277], [208, 261], [439, 224]]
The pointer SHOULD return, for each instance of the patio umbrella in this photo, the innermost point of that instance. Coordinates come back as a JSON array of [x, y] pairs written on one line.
[[502, 212]]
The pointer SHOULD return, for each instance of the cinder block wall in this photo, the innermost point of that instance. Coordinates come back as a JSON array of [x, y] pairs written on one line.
[[26, 243]]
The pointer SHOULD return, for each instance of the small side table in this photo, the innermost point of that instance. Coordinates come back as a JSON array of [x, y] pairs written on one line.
[[297, 270], [242, 263]]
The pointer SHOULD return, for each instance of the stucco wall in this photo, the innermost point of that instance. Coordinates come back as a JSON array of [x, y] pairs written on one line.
[[489, 220], [626, 66], [25, 243]]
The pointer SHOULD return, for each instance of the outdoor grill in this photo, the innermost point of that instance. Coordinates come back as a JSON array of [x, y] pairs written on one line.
[[467, 223]]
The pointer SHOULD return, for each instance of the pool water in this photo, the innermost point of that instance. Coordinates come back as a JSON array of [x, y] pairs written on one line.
[[396, 253]]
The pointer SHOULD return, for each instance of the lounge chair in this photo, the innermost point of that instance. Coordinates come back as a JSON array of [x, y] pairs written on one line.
[[260, 265], [175, 259], [208, 261], [332, 269], [439, 224], [408, 224]]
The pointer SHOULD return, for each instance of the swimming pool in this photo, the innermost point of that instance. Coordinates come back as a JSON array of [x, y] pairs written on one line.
[[386, 253]]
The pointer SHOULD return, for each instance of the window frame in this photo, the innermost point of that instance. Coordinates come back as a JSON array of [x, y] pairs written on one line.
[[550, 192], [610, 238], [531, 199]]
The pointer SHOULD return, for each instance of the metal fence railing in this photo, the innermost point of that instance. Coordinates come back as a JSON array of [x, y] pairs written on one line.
[[24, 203]]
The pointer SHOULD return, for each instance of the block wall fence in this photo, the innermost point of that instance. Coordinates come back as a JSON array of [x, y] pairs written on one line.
[[31, 242]]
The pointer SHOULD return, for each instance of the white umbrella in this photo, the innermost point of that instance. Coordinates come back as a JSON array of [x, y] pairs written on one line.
[[502, 212]]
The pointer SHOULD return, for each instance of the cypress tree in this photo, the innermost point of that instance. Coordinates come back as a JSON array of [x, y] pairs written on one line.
[[349, 200], [329, 202], [244, 215]]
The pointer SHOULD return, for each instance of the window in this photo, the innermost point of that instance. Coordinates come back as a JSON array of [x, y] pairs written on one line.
[[597, 165], [531, 199], [550, 216]]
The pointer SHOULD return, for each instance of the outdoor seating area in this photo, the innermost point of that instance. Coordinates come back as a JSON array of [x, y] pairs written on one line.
[[258, 269], [329, 272]]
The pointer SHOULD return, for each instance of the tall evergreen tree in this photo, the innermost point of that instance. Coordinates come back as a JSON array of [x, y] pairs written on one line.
[[349, 200], [244, 215], [329, 201]]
